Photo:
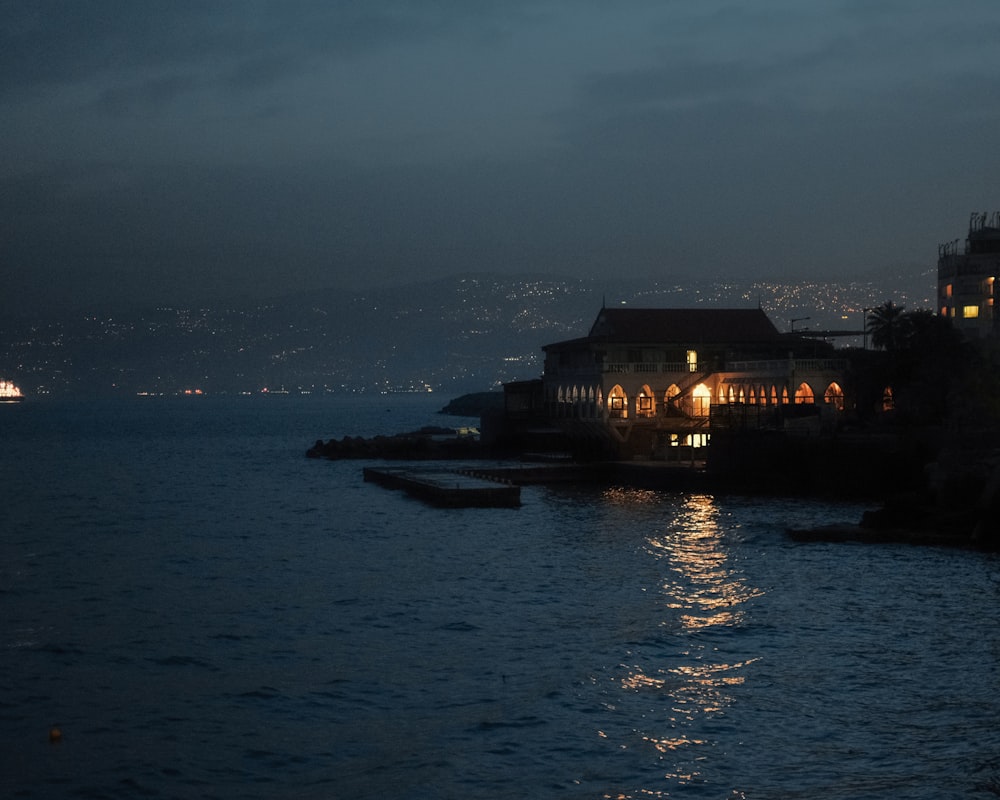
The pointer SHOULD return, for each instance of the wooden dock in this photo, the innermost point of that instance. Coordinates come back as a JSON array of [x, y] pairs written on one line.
[[445, 488]]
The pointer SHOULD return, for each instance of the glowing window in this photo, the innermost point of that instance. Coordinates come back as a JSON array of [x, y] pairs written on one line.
[[618, 403], [970, 312], [947, 290], [644, 402], [835, 396], [804, 394], [702, 397]]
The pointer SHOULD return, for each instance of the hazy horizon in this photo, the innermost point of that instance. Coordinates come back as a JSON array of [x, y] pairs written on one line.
[[168, 151]]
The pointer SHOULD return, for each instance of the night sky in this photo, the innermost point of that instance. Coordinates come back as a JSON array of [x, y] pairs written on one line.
[[176, 151]]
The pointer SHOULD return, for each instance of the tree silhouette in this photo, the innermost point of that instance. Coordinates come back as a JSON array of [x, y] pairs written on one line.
[[885, 324]]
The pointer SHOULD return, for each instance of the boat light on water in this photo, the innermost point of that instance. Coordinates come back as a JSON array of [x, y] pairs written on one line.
[[9, 393]]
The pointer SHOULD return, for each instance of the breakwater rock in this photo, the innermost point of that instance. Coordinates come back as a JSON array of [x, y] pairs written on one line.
[[956, 504], [430, 442]]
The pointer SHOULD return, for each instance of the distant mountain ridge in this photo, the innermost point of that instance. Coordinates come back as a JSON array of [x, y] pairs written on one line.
[[464, 334]]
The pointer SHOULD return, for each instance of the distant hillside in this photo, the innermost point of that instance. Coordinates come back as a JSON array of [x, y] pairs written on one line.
[[466, 334]]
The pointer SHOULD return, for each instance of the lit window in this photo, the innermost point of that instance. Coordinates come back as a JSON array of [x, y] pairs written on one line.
[[702, 397], [692, 360], [970, 312], [947, 290], [618, 403], [834, 395]]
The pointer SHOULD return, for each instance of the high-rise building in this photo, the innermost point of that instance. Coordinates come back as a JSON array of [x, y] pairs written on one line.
[[967, 277]]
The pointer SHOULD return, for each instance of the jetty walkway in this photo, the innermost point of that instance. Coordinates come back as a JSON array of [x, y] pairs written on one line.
[[447, 488]]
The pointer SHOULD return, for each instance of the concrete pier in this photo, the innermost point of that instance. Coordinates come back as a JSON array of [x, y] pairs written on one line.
[[445, 488]]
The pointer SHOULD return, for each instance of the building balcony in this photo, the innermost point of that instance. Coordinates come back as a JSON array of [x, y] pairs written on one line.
[[637, 368], [786, 366]]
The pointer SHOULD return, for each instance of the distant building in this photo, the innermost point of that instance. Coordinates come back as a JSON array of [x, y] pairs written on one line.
[[967, 279], [650, 383]]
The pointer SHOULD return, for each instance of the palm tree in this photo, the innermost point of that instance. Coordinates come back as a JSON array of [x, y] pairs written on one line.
[[885, 324]]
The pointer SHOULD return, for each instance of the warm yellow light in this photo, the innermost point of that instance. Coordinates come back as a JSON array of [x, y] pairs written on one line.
[[970, 312], [665, 745], [835, 396], [804, 394], [629, 497], [702, 397]]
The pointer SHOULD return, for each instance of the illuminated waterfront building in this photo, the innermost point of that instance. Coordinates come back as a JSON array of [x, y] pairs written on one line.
[[651, 381]]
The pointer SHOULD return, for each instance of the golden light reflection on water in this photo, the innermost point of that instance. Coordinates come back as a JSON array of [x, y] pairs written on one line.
[[666, 745], [702, 591], [701, 585], [700, 688], [623, 496]]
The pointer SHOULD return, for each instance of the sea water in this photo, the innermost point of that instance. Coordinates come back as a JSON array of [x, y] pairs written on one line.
[[203, 612]]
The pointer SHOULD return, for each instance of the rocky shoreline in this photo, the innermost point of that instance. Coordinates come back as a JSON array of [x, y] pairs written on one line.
[[949, 497], [957, 504], [427, 443]]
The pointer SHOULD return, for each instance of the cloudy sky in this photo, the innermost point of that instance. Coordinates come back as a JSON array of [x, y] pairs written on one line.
[[178, 149]]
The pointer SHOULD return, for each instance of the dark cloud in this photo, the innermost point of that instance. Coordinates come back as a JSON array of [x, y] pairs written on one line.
[[149, 93], [50, 42], [180, 148]]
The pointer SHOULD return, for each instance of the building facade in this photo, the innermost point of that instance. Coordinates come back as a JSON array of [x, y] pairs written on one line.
[[967, 277], [651, 380]]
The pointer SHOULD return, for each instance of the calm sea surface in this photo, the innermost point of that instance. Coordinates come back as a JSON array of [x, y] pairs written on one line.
[[203, 612]]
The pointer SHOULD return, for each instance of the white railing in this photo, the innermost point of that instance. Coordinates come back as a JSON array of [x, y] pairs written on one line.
[[779, 366], [626, 368], [787, 365]]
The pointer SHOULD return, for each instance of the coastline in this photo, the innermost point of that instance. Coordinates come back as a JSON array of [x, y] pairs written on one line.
[[920, 494]]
